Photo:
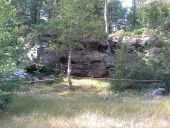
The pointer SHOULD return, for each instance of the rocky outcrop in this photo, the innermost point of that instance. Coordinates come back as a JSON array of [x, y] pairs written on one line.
[[156, 92], [18, 75], [91, 63], [136, 42], [95, 60]]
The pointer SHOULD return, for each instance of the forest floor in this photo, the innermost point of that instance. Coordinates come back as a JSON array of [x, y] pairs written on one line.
[[90, 105]]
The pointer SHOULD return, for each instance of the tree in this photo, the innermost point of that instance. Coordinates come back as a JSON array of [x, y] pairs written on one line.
[[116, 15], [155, 15], [132, 18], [10, 47], [134, 8], [50, 8], [76, 19], [33, 11], [106, 15]]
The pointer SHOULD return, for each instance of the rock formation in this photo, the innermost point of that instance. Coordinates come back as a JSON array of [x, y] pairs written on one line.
[[95, 60]]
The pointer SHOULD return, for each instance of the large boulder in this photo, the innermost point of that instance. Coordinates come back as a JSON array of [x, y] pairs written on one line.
[[17, 75], [21, 75], [156, 92], [92, 63]]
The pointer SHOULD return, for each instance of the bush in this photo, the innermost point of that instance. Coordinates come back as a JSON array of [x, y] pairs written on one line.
[[141, 72], [130, 66], [6, 87], [41, 71], [4, 101], [139, 31], [11, 85], [154, 15]]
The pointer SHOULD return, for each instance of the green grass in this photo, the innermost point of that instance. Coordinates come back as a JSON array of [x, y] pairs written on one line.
[[86, 107]]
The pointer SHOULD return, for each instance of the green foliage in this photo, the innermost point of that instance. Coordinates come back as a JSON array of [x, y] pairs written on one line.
[[77, 19], [130, 66], [44, 71], [10, 85], [142, 72], [122, 33], [154, 15], [139, 31], [131, 17], [117, 14], [10, 47], [130, 20], [142, 66], [29, 11], [4, 101], [162, 63], [121, 70]]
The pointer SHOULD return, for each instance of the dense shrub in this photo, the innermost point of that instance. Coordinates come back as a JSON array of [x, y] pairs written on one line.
[[41, 71], [134, 73], [130, 66], [4, 101], [11, 85], [139, 31], [155, 15], [163, 63], [6, 88], [141, 69]]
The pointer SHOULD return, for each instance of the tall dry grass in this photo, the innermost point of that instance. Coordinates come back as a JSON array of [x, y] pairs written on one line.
[[87, 107]]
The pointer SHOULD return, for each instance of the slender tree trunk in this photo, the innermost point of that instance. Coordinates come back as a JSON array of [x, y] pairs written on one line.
[[134, 14], [107, 25], [69, 69], [105, 16]]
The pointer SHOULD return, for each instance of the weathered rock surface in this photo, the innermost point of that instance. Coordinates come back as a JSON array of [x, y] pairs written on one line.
[[136, 42], [156, 92], [18, 75], [21, 75], [91, 63], [94, 60]]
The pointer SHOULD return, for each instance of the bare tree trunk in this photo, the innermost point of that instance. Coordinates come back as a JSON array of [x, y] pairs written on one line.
[[105, 16], [134, 14], [69, 69], [107, 25]]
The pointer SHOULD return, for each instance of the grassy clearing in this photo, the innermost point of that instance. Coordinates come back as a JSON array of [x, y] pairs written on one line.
[[87, 107]]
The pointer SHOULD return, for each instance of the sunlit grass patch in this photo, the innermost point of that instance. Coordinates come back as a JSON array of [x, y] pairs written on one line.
[[44, 111], [100, 87], [88, 106], [88, 82], [97, 104]]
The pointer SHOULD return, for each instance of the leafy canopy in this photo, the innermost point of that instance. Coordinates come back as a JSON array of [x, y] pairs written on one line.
[[155, 15], [10, 47], [77, 19]]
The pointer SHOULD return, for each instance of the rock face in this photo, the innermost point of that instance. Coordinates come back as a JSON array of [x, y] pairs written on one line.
[[95, 60], [136, 42], [91, 63]]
